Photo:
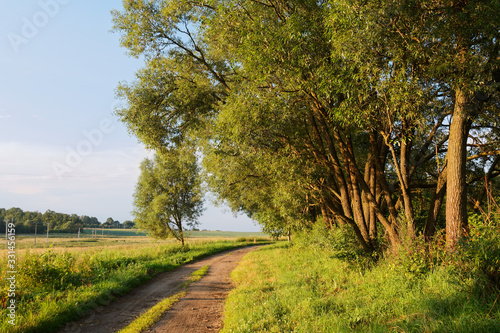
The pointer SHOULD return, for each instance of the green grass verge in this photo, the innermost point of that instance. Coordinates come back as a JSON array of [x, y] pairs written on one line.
[[284, 288], [150, 317], [53, 288]]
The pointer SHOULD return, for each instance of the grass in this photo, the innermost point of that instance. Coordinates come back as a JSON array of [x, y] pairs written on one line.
[[60, 285], [150, 317], [66, 241], [283, 288]]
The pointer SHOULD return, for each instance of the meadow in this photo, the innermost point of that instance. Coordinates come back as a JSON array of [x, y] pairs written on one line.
[[63, 279], [112, 237], [320, 284]]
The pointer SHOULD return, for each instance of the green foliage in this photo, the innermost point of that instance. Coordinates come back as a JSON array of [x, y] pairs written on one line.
[[168, 101], [478, 256], [168, 195], [50, 269], [339, 243], [296, 106], [58, 222], [475, 262]]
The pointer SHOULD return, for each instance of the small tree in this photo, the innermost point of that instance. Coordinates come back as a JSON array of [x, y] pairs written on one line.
[[109, 223], [168, 195], [128, 224]]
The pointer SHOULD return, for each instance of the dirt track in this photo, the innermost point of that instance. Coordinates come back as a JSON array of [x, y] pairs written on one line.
[[199, 311]]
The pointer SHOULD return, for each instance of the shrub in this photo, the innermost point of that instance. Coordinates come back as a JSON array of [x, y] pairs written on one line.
[[54, 270], [478, 256], [340, 242]]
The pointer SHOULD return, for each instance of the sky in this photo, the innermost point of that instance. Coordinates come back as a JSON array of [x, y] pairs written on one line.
[[61, 146]]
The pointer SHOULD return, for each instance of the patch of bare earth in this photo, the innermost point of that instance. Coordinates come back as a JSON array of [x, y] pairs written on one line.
[[199, 311]]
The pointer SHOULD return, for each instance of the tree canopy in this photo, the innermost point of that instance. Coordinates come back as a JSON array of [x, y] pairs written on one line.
[[58, 222], [362, 113], [168, 195]]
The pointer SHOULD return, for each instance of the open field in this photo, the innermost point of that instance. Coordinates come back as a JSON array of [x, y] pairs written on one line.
[[115, 237]]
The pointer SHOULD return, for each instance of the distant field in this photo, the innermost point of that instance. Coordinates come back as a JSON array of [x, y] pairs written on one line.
[[116, 237], [115, 232], [224, 234]]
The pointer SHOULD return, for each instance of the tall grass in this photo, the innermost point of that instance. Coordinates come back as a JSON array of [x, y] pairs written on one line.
[[54, 287], [323, 284]]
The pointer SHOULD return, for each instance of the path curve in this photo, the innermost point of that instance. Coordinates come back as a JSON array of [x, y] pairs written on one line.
[[199, 311]]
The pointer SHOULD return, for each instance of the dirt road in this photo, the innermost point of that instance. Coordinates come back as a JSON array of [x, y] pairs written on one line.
[[199, 311]]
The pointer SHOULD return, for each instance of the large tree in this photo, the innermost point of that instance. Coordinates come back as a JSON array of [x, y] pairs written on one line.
[[311, 108], [168, 195], [428, 60]]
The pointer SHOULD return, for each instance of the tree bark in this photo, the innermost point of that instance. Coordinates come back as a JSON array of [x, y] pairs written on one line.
[[388, 225], [372, 219], [456, 192], [435, 206], [380, 176], [406, 147], [356, 200]]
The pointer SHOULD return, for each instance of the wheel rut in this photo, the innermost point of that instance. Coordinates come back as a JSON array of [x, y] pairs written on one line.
[[200, 310]]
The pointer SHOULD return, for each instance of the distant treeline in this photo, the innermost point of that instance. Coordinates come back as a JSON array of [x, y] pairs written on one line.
[[58, 222]]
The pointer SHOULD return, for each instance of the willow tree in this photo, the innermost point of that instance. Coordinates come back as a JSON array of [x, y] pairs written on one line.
[[278, 120], [168, 194], [310, 108], [287, 106], [187, 80], [427, 60]]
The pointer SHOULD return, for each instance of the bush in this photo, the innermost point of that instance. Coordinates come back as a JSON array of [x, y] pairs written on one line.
[[417, 258], [49, 269], [478, 255], [340, 242], [475, 261]]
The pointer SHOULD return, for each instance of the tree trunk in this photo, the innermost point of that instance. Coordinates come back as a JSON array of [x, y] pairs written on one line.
[[337, 168], [435, 206], [456, 192], [380, 176], [372, 219], [357, 202], [388, 225], [366, 205], [405, 186]]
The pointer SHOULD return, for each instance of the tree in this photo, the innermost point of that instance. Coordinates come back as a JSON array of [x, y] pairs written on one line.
[[168, 195], [277, 124], [111, 223], [128, 224], [447, 52], [308, 109], [90, 222]]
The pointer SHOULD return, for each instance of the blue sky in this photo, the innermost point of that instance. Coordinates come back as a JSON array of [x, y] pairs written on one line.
[[61, 147]]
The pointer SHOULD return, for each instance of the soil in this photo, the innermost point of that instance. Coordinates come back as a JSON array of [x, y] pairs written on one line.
[[201, 310]]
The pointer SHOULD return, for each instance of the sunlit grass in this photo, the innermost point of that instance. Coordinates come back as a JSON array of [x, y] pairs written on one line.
[[289, 289], [59, 285]]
